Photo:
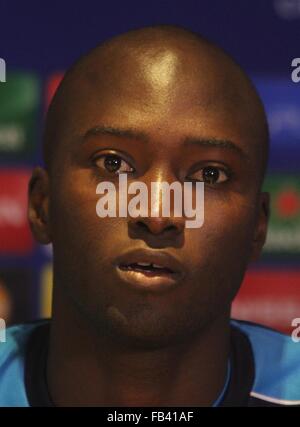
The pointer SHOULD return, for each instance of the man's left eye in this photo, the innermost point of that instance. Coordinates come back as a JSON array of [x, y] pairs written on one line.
[[113, 164], [210, 175]]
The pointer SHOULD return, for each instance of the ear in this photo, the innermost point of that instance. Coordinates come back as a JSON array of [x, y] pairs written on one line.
[[38, 205], [261, 225]]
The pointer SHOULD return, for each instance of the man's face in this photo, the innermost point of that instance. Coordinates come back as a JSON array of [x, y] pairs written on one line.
[[172, 105]]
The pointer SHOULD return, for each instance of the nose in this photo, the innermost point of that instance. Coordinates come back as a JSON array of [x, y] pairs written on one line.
[[156, 221], [165, 226], [164, 217]]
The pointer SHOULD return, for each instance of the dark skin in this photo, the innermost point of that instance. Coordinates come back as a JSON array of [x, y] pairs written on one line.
[[155, 97]]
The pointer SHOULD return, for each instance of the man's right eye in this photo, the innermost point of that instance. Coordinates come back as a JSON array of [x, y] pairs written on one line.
[[113, 164]]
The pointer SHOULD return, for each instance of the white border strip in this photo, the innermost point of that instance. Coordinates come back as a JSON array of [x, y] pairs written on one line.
[[274, 399]]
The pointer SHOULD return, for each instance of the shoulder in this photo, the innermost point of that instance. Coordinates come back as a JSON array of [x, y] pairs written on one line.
[[276, 362], [12, 358]]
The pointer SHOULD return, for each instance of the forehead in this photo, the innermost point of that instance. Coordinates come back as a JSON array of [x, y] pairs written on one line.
[[164, 77], [167, 91]]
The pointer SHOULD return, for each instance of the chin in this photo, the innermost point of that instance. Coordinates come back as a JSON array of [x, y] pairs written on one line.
[[143, 330]]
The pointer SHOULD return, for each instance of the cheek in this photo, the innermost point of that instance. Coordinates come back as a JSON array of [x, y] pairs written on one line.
[[75, 224], [231, 216], [227, 232], [73, 209], [221, 252]]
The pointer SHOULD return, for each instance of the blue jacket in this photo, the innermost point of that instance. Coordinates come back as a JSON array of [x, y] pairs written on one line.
[[265, 367]]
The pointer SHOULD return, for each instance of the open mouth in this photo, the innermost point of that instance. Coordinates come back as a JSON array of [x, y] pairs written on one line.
[[149, 269]]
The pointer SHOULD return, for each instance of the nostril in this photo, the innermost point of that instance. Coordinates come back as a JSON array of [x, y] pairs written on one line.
[[158, 226], [170, 227], [142, 225]]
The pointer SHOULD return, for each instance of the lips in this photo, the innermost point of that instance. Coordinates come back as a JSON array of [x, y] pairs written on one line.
[[149, 269], [145, 260]]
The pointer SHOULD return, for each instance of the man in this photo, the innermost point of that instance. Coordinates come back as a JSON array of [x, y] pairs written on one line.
[[141, 305]]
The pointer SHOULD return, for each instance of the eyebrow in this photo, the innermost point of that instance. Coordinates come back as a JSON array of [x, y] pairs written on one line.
[[113, 131], [218, 143], [137, 135]]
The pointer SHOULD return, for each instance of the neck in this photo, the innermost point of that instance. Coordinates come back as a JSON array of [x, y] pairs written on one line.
[[84, 368]]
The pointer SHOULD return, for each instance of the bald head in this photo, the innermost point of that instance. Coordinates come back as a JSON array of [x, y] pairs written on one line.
[[164, 70], [162, 105]]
